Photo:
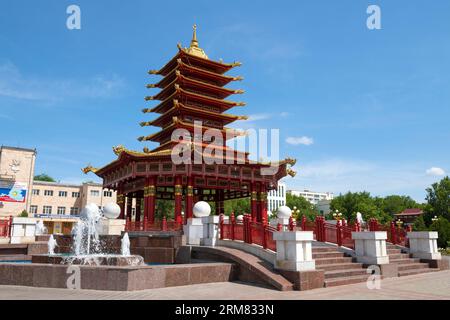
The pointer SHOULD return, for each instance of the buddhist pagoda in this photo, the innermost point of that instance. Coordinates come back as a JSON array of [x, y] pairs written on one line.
[[192, 89]]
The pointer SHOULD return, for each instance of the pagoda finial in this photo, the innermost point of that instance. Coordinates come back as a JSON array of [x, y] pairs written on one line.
[[194, 49], [194, 42]]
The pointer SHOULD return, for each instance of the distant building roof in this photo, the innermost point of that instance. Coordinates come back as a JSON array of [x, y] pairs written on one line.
[[59, 184], [410, 212], [18, 148]]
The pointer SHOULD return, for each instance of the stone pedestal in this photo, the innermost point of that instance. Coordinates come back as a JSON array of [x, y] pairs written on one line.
[[370, 247], [423, 245], [23, 230], [193, 230], [210, 230], [284, 223], [111, 227], [294, 252]]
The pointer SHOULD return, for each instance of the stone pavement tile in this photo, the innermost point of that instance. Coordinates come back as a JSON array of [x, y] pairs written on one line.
[[423, 286]]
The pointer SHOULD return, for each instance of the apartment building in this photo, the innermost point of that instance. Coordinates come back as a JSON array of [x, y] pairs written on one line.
[[276, 198], [312, 196], [19, 191], [51, 198]]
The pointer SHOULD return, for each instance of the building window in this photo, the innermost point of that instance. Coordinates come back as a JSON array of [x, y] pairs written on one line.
[[75, 194], [74, 210], [95, 193], [35, 192], [61, 210], [47, 210], [33, 209], [62, 194], [48, 193], [107, 194]]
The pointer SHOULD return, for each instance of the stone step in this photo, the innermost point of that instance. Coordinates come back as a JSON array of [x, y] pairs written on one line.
[[411, 266], [327, 255], [345, 273], [345, 280], [398, 256], [393, 251], [318, 249], [404, 261], [15, 257], [416, 271], [325, 261], [340, 266]]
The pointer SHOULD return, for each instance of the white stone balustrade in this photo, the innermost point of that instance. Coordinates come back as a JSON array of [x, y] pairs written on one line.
[[210, 231], [193, 231], [294, 251], [23, 230], [423, 245], [370, 247]]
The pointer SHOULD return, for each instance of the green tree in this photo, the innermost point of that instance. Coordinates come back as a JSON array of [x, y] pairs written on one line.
[[44, 177], [395, 204], [442, 226], [164, 208], [419, 224], [438, 198], [23, 214], [303, 205], [238, 206]]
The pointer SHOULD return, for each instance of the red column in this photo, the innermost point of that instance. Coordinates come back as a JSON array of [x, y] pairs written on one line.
[[178, 197], [121, 202], [262, 204], [253, 202], [189, 201], [149, 200], [138, 209], [129, 206]]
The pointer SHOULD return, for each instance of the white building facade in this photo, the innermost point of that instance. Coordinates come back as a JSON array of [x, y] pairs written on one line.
[[312, 196], [276, 198]]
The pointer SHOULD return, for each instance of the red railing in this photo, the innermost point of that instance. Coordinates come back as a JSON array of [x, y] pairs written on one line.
[[5, 227], [249, 231], [395, 235], [163, 225]]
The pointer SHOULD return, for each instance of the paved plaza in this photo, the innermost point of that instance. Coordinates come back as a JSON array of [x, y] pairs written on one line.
[[434, 285]]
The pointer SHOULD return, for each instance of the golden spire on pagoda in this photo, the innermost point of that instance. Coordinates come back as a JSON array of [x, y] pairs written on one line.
[[194, 49]]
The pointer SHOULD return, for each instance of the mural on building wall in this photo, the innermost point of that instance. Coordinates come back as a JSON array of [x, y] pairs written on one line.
[[12, 191]]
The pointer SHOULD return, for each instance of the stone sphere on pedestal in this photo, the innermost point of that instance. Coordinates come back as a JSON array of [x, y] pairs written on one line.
[[284, 212], [111, 210], [202, 209]]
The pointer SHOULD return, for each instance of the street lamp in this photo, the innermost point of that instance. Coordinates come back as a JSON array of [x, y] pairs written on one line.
[[399, 223], [295, 212], [435, 218], [337, 215]]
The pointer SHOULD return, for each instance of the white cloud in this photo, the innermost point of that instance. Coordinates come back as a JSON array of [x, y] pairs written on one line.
[[300, 140], [436, 172], [14, 84], [258, 117]]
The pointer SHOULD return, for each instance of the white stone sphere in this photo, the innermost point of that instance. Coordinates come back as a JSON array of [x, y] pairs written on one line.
[[284, 212], [111, 210], [240, 217], [202, 209], [91, 211]]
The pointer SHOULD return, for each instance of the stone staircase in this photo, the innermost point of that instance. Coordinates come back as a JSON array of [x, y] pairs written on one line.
[[406, 265], [339, 268], [14, 252]]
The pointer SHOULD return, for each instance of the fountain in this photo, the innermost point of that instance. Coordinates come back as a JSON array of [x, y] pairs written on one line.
[[51, 245], [87, 247], [40, 228]]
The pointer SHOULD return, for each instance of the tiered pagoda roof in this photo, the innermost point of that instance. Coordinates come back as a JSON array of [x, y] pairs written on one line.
[[192, 89]]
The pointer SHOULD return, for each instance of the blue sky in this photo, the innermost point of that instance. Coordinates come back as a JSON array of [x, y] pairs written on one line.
[[359, 109]]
